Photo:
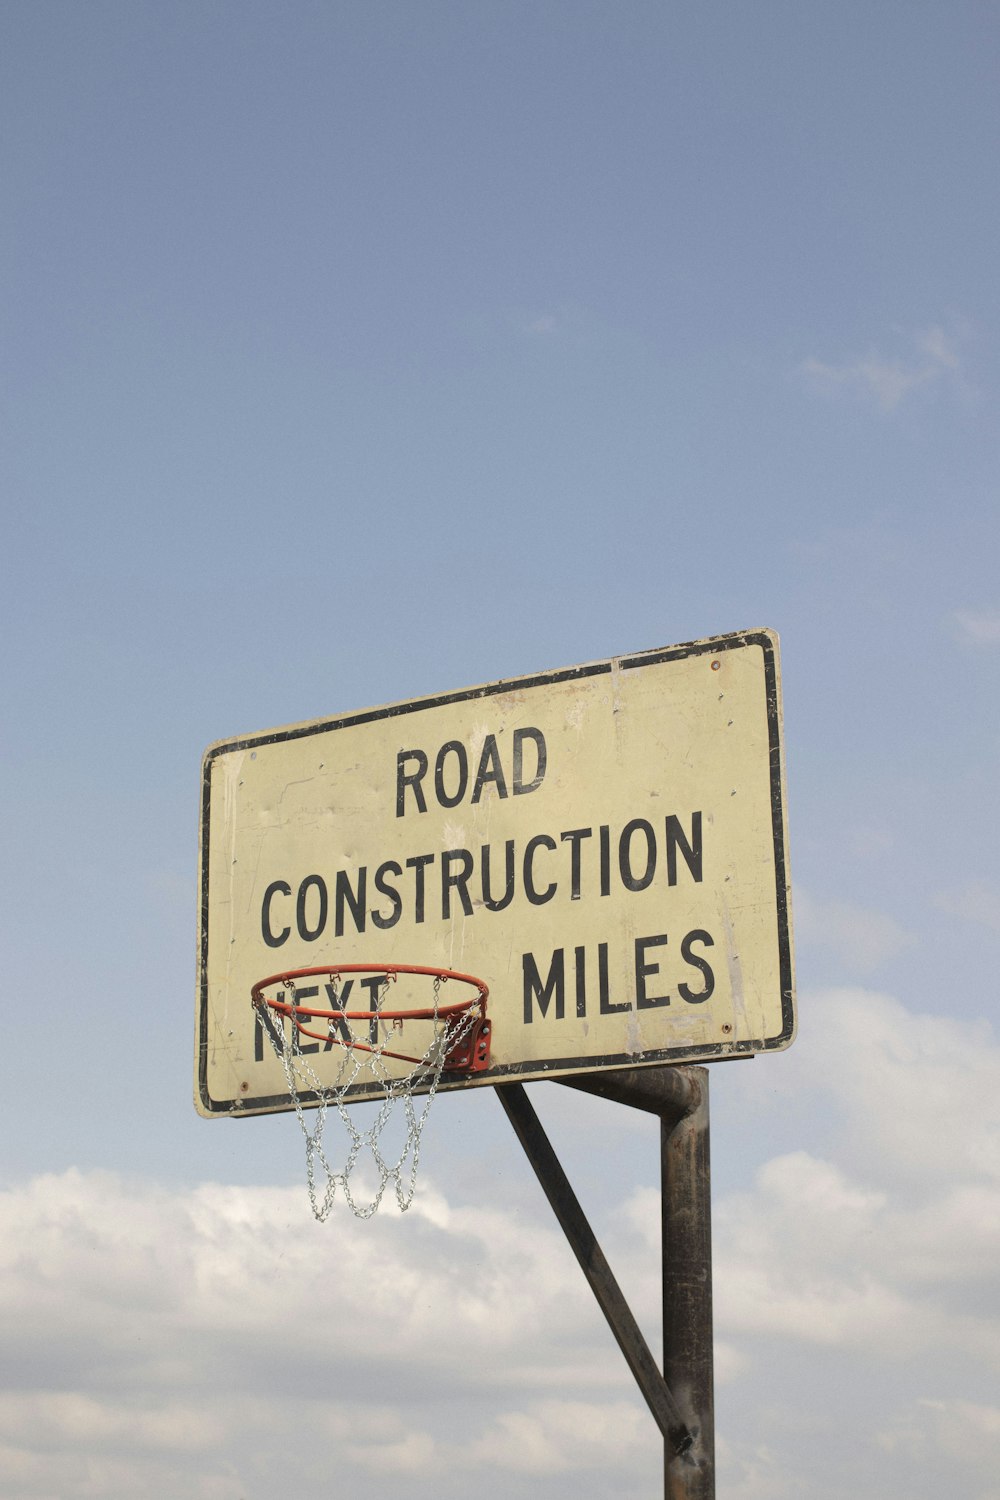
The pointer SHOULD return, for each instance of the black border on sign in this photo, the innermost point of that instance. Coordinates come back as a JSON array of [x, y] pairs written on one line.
[[722, 1051]]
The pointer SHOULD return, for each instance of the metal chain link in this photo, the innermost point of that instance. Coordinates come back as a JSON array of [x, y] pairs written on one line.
[[302, 1079]]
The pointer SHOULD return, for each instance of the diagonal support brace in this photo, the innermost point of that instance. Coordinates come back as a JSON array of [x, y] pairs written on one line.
[[665, 1410], [679, 1096]]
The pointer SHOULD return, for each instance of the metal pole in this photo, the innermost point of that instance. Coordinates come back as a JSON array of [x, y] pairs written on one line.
[[687, 1293]]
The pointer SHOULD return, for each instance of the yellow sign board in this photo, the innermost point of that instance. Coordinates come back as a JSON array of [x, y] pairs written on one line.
[[603, 845]]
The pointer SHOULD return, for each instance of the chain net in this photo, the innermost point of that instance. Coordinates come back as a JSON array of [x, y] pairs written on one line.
[[363, 1061]]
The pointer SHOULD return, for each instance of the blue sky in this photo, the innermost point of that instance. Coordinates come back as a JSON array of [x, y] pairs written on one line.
[[357, 352]]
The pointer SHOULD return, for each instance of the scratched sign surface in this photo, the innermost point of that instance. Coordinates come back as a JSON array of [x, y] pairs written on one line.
[[603, 845]]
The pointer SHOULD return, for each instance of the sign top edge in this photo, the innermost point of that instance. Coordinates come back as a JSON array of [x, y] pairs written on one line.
[[764, 637]]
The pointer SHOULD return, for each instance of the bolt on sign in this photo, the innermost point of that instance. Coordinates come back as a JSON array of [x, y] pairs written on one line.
[[603, 846]]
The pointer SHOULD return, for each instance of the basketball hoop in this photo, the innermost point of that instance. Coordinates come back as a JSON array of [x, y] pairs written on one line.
[[451, 1038]]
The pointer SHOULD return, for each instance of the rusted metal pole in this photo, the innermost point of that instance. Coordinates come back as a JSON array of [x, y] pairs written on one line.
[[686, 1206]]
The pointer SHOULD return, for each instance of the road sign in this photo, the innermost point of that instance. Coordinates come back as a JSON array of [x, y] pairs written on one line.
[[603, 846]]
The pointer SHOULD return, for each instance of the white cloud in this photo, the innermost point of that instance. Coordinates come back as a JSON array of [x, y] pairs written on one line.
[[547, 323], [978, 902], [848, 1275], [812, 1256], [169, 1341], [862, 939], [413, 1453], [962, 1429], [868, 841], [61, 1419], [216, 1343], [908, 1086], [938, 348], [562, 1436], [890, 381], [978, 627], [758, 1472]]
